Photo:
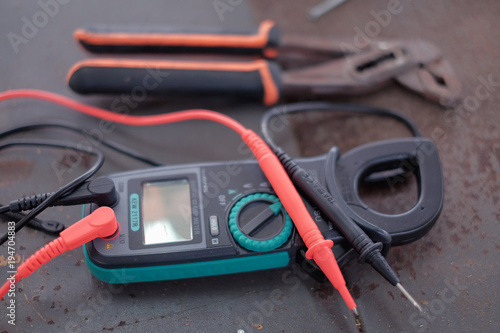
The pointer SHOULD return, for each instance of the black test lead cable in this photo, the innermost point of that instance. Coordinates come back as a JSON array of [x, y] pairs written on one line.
[[369, 251], [64, 189], [81, 131], [53, 226]]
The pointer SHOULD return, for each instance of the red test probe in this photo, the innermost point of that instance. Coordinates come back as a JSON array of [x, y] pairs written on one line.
[[100, 224], [319, 249]]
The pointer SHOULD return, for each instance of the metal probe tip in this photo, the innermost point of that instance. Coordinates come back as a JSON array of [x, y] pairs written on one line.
[[408, 296], [357, 319]]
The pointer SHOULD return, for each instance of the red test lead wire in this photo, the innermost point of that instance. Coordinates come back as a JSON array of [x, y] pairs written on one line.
[[101, 223], [319, 249]]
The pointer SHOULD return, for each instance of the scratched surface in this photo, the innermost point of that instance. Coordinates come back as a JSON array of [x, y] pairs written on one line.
[[453, 271]]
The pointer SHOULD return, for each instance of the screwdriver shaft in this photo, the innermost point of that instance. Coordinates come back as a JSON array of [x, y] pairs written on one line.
[[324, 7]]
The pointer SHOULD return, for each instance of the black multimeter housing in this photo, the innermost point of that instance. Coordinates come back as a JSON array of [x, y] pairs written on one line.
[[221, 218]]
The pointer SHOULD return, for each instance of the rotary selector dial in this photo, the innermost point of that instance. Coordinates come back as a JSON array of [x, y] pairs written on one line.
[[258, 222]]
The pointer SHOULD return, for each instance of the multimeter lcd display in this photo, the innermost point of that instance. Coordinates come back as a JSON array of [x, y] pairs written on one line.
[[166, 208]]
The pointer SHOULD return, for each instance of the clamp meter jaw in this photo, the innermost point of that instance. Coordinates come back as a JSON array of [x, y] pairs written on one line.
[[222, 218]]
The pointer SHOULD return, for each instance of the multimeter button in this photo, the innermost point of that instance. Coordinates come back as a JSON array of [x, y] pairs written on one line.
[[214, 225]]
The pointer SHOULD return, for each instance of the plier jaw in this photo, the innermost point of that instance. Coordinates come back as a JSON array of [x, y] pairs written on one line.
[[415, 64], [435, 80]]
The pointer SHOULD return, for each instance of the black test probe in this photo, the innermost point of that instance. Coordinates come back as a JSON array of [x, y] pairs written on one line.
[[368, 251]]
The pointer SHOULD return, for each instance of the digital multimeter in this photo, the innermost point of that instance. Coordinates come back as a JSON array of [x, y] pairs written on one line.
[[219, 218], [196, 220]]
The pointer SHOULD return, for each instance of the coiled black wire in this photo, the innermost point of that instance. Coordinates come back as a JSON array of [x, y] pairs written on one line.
[[69, 187], [285, 109]]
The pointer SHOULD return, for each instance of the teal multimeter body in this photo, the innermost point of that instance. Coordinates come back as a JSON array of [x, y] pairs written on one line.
[[196, 220]]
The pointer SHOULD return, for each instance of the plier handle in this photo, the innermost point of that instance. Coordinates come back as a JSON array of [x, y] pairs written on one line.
[[258, 65]]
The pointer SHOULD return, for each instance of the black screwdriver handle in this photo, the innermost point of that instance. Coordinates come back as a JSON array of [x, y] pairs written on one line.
[[257, 80]]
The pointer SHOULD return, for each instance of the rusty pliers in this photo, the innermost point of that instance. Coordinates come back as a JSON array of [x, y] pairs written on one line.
[[259, 65]]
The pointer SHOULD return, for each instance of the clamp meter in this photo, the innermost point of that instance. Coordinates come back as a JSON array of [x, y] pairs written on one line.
[[220, 218]]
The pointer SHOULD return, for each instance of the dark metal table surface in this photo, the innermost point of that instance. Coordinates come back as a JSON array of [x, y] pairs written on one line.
[[453, 271]]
